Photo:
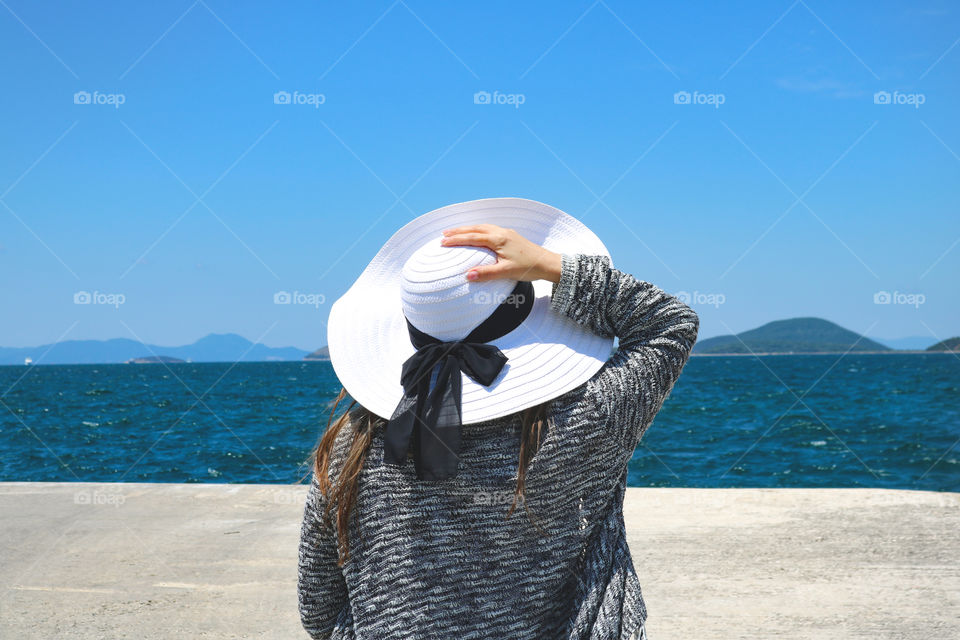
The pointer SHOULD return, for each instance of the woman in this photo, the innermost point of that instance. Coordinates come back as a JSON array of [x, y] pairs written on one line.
[[500, 392]]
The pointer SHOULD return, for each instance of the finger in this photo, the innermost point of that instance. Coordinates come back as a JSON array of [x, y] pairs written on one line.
[[488, 272], [470, 238]]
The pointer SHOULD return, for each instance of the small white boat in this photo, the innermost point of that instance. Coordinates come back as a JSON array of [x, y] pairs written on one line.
[[28, 361]]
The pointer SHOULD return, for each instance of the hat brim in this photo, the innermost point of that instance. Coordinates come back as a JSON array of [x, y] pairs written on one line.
[[548, 354]]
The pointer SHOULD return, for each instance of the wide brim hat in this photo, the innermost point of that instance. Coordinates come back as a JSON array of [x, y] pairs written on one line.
[[548, 354]]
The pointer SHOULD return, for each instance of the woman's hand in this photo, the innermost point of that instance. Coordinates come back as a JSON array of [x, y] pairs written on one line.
[[517, 257]]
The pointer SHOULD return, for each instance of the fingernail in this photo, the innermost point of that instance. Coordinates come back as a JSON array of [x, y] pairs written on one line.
[[472, 275]]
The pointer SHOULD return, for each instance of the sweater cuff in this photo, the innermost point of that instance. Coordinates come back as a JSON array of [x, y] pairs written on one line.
[[562, 295]]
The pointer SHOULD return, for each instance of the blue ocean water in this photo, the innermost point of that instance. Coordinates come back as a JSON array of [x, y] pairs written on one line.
[[884, 421]]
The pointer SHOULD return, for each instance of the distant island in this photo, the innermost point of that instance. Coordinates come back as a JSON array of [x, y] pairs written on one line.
[[216, 347], [154, 360], [796, 335], [322, 354]]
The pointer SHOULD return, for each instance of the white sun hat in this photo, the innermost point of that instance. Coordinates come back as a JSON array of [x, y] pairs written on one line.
[[415, 280]]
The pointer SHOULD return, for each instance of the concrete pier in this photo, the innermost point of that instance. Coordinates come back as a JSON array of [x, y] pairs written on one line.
[[86, 560]]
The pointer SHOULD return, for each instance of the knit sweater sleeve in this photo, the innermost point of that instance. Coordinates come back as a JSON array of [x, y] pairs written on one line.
[[322, 590], [656, 333]]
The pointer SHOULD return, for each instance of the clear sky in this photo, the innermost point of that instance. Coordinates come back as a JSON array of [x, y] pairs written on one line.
[[781, 184]]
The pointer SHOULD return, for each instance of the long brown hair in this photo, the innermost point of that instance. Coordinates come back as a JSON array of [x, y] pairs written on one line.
[[341, 493]]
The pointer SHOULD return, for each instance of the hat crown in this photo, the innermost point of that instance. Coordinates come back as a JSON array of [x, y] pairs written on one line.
[[436, 296]]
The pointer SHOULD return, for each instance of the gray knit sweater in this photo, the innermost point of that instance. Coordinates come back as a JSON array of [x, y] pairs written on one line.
[[439, 560]]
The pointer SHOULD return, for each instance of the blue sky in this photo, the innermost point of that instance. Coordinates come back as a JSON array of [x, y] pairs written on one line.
[[781, 188]]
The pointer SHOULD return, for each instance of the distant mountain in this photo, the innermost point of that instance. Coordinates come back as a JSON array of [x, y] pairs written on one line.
[[216, 347], [950, 344], [797, 335], [323, 353], [913, 343]]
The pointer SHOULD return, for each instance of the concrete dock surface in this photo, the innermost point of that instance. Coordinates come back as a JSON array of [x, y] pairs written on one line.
[[92, 560]]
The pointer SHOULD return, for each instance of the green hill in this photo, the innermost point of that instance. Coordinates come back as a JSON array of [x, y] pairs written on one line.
[[950, 344], [796, 335]]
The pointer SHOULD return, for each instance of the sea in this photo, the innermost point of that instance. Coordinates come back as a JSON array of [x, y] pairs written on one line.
[[858, 420]]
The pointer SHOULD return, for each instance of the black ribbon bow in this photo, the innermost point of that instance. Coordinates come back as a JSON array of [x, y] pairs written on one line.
[[431, 420]]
